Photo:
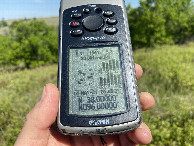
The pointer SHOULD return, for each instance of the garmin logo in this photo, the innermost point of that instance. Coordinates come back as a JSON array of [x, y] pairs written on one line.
[[99, 122], [74, 11], [92, 6], [93, 38]]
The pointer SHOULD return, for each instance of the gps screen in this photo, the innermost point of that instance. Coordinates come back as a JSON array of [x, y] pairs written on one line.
[[95, 81]]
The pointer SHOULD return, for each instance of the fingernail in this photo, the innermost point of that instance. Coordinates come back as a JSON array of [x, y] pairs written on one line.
[[143, 127], [146, 131], [43, 94]]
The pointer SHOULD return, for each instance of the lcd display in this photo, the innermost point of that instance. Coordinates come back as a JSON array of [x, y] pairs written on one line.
[[95, 81]]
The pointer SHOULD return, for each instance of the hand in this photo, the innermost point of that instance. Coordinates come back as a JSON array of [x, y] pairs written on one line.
[[38, 129]]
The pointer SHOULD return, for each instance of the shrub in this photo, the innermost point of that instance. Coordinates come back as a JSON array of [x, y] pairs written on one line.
[[5, 50], [157, 22], [3, 23], [35, 43]]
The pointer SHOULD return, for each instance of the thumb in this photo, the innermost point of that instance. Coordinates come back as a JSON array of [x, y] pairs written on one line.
[[40, 118]]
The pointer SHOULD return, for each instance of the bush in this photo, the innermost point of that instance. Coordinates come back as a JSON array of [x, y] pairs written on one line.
[[157, 22], [5, 50], [10, 121], [3, 23], [173, 128], [32, 43], [172, 120]]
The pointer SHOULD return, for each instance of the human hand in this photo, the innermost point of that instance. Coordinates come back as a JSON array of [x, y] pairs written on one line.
[[38, 129]]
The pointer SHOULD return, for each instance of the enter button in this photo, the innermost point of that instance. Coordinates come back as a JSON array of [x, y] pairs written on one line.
[[110, 30]]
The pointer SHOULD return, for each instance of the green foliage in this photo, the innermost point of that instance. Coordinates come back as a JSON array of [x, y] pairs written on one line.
[[168, 76], [170, 65], [19, 91], [157, 22], [3, 23], [178, 17], [172, 128], [35, 43], [5, 49], [32, 43]]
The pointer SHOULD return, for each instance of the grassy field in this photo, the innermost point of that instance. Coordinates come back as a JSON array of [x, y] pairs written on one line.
[[169, 77], [54, 21], [49, 20], [19, 91], [171, 120]]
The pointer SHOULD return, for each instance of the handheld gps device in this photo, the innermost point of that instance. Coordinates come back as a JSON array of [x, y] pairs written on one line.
[[96, 75]]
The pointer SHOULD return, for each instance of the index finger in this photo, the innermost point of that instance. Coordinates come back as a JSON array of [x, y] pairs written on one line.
[[139, 71]]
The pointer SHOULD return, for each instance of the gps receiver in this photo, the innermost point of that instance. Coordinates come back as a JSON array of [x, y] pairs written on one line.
[[96, 73]]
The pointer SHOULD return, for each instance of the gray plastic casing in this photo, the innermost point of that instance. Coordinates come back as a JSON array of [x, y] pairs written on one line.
[[107, 130]]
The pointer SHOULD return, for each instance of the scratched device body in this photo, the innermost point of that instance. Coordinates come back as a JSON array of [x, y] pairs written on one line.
[[96, 75]]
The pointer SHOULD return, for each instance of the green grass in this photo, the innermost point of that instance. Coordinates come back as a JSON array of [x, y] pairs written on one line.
[[49, 20], [169, 77], [19, 91], [53, 21]]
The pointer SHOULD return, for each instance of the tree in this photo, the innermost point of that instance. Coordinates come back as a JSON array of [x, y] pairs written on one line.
[[178, 14], [3, 23], [5, 49], [157, 22], [35, 43]]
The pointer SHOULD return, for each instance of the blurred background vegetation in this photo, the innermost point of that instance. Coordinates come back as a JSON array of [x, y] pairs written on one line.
[[162, 34]]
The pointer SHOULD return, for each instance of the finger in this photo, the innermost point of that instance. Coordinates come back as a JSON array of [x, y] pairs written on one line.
[[39, 120], [96, 141], [146, 100], [112, 140], [141, 135], [125, 141], [81, 141], [139, 71], [58, 139]]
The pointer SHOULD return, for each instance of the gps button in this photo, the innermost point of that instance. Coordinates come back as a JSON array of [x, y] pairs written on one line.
[[76, 15], [76, 33], [98, 10], [86, 10], [108, 13], [110, 30], [74, 24], [111, 21]]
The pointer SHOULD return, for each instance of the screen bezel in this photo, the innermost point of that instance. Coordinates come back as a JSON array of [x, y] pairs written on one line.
[[69, 119], [123, 85]]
